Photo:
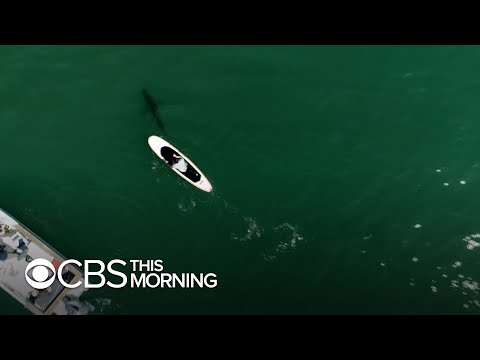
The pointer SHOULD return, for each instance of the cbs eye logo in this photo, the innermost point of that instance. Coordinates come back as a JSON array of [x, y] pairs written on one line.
[[40, 273]]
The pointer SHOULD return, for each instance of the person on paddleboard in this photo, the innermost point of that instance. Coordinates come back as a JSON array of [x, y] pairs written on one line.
[[179, 163]]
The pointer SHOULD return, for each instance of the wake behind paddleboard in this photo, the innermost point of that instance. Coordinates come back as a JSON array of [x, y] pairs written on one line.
[[189, 172]]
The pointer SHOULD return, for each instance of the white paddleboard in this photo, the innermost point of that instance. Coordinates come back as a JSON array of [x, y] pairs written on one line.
[[189, 171]]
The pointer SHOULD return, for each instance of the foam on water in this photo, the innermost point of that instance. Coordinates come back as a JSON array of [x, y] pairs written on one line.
[[254, 230], [103, 303], [187, 205]]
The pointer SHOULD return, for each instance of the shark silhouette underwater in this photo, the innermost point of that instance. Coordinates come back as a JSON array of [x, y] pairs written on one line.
[[153, 108]]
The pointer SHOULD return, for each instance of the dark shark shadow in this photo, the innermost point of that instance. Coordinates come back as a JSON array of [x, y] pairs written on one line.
[[153, 108]]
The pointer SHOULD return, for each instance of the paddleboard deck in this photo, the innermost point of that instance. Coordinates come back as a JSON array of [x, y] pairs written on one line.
[[168, 153]]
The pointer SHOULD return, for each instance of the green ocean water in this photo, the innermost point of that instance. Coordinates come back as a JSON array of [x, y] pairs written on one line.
[[323, 160]]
